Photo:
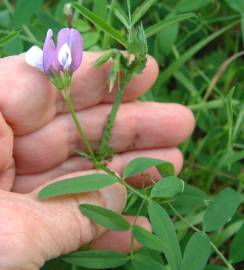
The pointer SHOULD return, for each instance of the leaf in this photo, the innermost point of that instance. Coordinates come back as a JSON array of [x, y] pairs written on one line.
[[161, 25], [47, 20], [148, 239], [8, 38], [141, 10], [221, 209], [105, 217], [167, 38], [237, 5], [164, 229], [236, 253], [189, 5], [196, 253], [190, 200], [101, 24], [167, 187], [14, 46], [97, 259], [142, 262], [215, 267], [139, 165], [177, 64], [24, 10], [55, 264], [5, 19], [84, 183], [100, 8], [90, 39]]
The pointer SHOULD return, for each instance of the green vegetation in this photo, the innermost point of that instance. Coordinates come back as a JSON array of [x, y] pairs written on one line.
[[199, 47]]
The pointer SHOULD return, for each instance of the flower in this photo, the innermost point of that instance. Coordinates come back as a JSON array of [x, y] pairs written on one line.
[[56, 61]]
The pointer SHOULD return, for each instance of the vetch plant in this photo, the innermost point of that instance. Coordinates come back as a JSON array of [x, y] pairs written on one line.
[[59, 63]]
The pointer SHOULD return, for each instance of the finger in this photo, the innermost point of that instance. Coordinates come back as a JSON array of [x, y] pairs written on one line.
[[6, 155], [42, 230], [138, 126], [27, 183], [32, 97], [120, 241]]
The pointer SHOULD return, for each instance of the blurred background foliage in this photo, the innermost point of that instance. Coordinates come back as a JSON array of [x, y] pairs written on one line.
[[201, 66]]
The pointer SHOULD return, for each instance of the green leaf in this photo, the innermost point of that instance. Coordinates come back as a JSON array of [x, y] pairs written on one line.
[[148, 239], [101, 24], [237, 5], [215, 267], [105, 217], [167, 38], [5, 18], [221, 209], [100, 8], [164, 229], [177, 64], [167, 187], [139, 165], [14, 46], [24, 10], [142, 262], [8, 38], [190, 200], [236, 253], [189, 5], [141, 10], [97, 259], [47, 20], [90, 39], [55, 264], [242, 27], [159, 26], [84, 183], [196, 253]]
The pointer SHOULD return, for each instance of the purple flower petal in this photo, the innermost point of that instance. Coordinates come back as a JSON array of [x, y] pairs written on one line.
[[50, 62], [76, 46], [73, 38], [63, 37]]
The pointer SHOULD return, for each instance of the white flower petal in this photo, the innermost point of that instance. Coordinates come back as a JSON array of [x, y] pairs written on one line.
[[64, 57], [34, 57]]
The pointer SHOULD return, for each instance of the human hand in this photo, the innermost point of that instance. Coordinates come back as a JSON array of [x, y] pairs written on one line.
[[37, 139]]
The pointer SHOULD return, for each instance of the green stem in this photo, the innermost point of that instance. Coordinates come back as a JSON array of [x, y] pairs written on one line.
[[227, 263], [77, 123], [103, 167], [102, 151]]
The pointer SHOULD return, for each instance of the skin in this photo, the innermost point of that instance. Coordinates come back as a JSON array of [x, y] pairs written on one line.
[[37, 139]]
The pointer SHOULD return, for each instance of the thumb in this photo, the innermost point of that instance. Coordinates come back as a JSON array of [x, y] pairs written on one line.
[[54, 227]]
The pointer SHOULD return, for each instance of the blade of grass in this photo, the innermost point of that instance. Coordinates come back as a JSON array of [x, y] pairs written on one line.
[[141, 10], [159, 26], [101, 24], [177, 64]]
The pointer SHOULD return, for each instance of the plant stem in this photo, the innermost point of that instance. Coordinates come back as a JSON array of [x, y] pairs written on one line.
[[227, 263], [121, 180], [77, 123], [102, 151]]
